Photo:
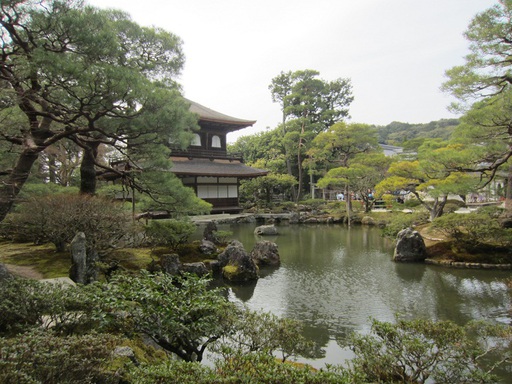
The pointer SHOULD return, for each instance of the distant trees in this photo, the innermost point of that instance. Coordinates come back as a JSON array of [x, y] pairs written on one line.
[[309, 106], [264, 188], [429, 177], [339, 153], [410, 136]]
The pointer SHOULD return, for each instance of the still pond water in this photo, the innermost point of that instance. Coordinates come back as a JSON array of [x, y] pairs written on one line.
[[334, 279]]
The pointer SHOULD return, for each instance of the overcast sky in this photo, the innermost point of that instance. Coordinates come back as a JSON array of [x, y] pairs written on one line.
[[394, 51]]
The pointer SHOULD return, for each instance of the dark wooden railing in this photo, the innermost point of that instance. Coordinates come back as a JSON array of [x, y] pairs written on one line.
[[206, 154]]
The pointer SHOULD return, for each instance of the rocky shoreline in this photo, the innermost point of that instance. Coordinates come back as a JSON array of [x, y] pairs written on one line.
[[466, 265]]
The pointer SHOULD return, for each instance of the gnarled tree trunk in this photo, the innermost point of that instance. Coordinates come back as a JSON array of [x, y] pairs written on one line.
[[10, 189], [88, 169]]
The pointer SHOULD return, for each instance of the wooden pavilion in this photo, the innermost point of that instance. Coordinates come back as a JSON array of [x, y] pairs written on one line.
[[207, 167]]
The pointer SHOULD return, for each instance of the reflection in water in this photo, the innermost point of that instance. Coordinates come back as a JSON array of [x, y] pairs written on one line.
[[335, 279]]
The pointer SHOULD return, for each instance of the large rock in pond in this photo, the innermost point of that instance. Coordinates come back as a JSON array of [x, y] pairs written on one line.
[[236, 264], [265, 230], [410, 247], [266, 253]]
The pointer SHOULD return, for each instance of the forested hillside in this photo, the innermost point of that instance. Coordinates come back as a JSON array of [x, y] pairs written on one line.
[[397, 133]]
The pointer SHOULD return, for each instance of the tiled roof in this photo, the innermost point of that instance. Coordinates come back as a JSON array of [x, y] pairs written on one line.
[[209, 115], [206, 167]]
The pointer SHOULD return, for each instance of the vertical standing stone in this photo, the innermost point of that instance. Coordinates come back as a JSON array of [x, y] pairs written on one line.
[[209, 233], [78, 271]]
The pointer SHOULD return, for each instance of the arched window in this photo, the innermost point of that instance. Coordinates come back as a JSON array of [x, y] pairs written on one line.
[[216, 142], [196, 140]]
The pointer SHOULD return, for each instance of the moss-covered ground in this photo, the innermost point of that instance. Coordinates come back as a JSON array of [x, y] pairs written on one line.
[[43, 261]]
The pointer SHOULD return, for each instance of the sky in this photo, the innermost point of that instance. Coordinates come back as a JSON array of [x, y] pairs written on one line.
[[395, 52]]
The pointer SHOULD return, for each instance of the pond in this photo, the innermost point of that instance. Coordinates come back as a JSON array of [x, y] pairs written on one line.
[[334, 279]]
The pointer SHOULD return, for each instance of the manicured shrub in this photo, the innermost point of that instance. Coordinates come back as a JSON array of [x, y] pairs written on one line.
[[174, 371], [267, 333], [399, 221], [473, 231], [421, 351], [57, 219], [171, 233], [254, 368], [27, 304], [453, 205], [42, 357], [181, 314]]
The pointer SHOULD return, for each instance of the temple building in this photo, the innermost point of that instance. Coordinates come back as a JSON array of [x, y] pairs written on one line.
[[207, 167]]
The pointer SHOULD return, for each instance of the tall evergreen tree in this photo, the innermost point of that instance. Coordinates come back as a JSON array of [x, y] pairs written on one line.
[[93, 76], [309, 105]]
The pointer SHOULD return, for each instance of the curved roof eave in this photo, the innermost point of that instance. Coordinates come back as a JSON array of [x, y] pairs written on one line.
[[209, 115]]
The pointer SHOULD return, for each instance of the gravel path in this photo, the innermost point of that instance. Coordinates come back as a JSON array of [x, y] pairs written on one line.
[[24, 271]]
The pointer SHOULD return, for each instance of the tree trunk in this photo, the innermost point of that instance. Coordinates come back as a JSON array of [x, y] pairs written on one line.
[[348, 204], [508, 192], [10, 189], [287, 157], [437, 208], [88, 169], [299, 167]]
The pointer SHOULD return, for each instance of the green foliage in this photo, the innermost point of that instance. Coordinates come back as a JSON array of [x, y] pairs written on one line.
[[420, 351], [484, 136], [174, 371], [262, 368], [262, 150], [474, 231], [102, 90], [162, 190], [47, 337], [57, 219], [171, 233], [223, 236], [266, 333], [181, 314], [341, 143], [411, 203], [399, 221], [482, 86], [336, 206], [262, 190], [42, 357], [27, 304], [309, 105], [453, 205], [34, 190], [254, 368], [314, 204], [486, 68], [411, 136], [431, 175]]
